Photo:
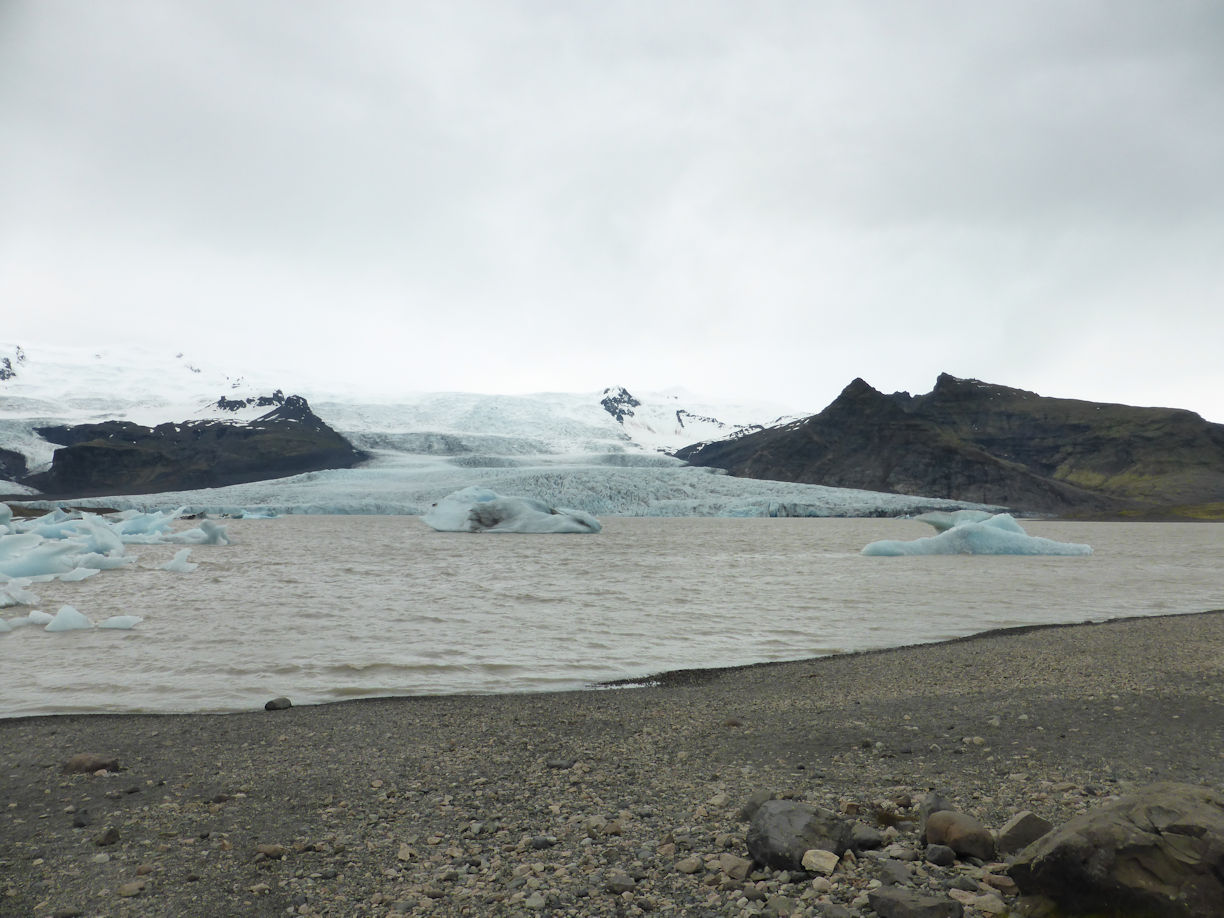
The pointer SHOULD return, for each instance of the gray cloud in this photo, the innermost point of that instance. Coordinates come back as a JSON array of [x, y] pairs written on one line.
[[762, 199]]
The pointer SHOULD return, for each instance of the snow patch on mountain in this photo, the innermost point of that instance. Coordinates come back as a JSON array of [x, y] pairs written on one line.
[[666, 421]]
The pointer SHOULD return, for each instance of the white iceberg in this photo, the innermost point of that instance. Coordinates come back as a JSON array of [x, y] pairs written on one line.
[[123, 622], [107, 562], [78, 574], [68, 619], [16, 544], [482, 510], [997, 534], [20, 621], [54, 558], [95, 535], [207, 533], [944, 520], [180, 563], [14, 593]]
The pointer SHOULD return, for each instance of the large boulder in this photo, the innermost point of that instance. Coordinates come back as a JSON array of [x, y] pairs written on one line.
[[1021, 831], [1158, 853], [782, 830], [960, 832], [894, 902]]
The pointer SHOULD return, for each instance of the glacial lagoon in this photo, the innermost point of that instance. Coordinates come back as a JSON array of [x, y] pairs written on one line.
[[328, 608]]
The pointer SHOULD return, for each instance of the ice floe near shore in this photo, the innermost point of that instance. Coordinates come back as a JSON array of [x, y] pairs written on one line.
[[72, 546], [481, 510], [975, 532]]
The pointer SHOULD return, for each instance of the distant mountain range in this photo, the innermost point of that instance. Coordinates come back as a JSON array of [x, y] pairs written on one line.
[[74, 423], [120, 457], [973, 441], [147, 430]]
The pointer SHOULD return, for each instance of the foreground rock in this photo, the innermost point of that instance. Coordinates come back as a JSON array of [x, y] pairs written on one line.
[[89, 762], [1158, 853], [782, 831], [963, 834]]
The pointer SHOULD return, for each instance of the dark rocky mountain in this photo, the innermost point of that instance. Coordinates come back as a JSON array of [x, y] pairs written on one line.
[[973, 441], [119, 457], [619, 403]]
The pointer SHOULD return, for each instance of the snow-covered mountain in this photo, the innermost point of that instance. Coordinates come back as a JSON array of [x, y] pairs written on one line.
[[602, 452]]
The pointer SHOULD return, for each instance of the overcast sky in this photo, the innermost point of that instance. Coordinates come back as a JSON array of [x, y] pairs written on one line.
[[762, 200]]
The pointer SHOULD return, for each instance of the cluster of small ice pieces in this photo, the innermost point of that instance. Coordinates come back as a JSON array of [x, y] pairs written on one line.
[[476, 509], [975, 532], [69, 546]]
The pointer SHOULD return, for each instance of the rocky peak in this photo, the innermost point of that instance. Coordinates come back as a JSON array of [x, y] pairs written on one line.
[[290, 408], [274, 400], [975, 441], [7, 370], [619, 403]]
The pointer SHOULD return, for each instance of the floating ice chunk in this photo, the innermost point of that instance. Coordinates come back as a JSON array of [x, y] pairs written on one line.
[[5, 626], [943, 520], [17, 544], [68, 619], [14, 593], [145, 528], [481, 510], [78, 573], [53, 529], [207, 533], [107, 562], [39, 617], [44, 558], [261, 514], [123, 622], [999, 534], [180, 563], [95, 534], [6, 516]]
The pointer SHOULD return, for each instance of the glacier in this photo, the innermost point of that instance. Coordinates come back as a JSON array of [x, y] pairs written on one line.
[[481, 510], [975, 533], [621, 485], [603, 453]]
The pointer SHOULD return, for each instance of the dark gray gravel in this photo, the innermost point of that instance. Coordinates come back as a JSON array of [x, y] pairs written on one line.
[[612, 802]]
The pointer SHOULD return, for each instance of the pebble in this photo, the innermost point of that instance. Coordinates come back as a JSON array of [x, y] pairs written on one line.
[[133, 888]]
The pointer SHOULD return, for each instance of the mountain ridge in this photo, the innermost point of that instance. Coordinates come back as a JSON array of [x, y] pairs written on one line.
[[971, 440], [121, 457]]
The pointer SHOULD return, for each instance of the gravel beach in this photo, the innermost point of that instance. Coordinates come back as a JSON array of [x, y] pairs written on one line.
[[621, 801]]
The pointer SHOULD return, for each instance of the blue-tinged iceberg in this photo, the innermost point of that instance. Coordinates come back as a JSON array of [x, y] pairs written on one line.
[[74, 546], [481, 510], [973, 532]]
